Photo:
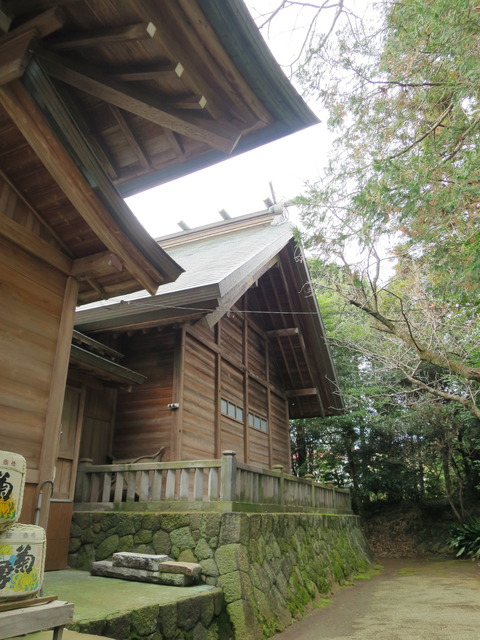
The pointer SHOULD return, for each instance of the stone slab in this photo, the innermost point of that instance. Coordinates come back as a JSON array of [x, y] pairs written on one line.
[[186, 568], [131, 560], [105, 568]]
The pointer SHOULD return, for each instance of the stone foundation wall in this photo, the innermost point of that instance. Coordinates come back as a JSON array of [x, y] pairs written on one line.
[[271, 567], [199, 617]]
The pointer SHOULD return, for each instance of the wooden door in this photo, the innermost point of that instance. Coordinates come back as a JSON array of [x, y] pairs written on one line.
[[58, 529]]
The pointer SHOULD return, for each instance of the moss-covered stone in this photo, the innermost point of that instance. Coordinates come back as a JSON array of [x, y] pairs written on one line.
[[188, 611], [182, 539], [144, 536], [161, 542], [209, 567], [126, 543], [203, 550], [187, 556], [232, 557], [117, 626], [168, 620], [74, 545], [171, 521], [144, 621], [244, 621], [234, 528], [107, 548]]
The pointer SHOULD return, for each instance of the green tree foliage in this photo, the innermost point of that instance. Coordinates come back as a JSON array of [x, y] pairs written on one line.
[[402, 89]]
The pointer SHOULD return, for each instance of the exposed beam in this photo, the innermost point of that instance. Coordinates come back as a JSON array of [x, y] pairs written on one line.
[[102, 367], [188, 101], [21, 7], [15, 54], [95, 344], [95, 265], [45, 23], [85, 77], [22, 237], [283, 333], [5, 21], [137, 31], [297, 393], [129, 135], [23, 110], [172, 70]]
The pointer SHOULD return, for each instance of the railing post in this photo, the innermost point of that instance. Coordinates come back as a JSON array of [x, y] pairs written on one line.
[[82, 485], [228, 480], [310, 478], [281, 483]]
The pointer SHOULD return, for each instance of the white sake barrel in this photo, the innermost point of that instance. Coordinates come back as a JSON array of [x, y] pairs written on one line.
[[22, 561], [12, 483]]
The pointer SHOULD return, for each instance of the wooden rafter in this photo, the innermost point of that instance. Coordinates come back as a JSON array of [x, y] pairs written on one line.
[[150, 72], [44, 23], [283, 333], [137, 31], [20, 106], [86, 77], [96, 265], [130, 136], [15, 54]]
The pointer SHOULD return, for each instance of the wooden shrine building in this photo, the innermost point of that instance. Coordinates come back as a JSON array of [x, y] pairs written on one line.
[[230, 351], [99, 99]]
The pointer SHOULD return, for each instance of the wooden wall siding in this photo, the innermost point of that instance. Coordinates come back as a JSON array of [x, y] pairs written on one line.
[[257, 352], [232, 384], [231, 340], [258, 448], [31, 297], [143, 419], [280, 436], [198, 426], [98, 420], [257, 398]]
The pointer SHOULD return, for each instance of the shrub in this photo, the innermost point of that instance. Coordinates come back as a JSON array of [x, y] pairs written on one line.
[[465, 538]]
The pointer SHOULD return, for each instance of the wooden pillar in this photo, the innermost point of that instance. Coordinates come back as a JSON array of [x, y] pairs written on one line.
[[178, 395], [228, 482], [218, 395], [51, 439], [269, 405], [246, 439]]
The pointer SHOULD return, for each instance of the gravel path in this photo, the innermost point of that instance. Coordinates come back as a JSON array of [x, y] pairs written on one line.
[[413, 599]]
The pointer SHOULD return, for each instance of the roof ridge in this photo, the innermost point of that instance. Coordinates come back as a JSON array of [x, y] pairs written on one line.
[[214, 229]]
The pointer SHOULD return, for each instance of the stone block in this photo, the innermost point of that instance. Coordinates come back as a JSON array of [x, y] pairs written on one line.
[[107, 570], [138, 560], [186, 568]]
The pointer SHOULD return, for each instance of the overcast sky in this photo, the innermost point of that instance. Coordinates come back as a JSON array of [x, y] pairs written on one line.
[[240, 184]]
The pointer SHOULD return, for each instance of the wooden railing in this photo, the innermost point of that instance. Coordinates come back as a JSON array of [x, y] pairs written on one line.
[[202, 484]]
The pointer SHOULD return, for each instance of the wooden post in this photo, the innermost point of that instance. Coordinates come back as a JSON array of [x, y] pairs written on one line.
[[58, 380], [281, 482], [82, 487], [228, 480], [310, 478]]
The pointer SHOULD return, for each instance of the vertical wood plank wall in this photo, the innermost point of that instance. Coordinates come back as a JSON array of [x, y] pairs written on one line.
[[143, 418], [31, 302], [197, 367]]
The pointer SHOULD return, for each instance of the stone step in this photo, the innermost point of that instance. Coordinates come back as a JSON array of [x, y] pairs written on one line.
[[178, 574], [149, 562]]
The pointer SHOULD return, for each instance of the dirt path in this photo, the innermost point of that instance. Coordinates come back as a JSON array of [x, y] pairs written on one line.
[[413, 599]]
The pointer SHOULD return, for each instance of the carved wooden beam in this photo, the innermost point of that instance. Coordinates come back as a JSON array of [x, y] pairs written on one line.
[[85, 77]]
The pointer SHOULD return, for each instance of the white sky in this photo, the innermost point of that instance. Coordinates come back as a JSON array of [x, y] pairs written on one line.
[[239, 184]]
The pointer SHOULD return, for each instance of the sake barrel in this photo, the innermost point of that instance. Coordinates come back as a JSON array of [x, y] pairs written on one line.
[[22, 561], [12, 483]]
